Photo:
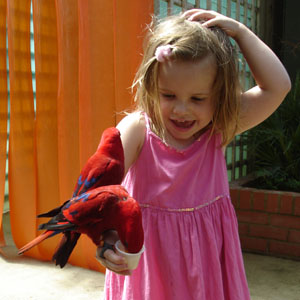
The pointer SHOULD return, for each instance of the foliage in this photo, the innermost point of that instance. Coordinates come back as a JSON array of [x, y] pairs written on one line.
[[274, 146]]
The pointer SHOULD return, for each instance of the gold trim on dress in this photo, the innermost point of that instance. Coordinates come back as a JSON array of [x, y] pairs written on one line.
[[188, 209]]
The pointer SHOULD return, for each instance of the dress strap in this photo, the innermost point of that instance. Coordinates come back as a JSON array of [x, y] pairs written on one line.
[[147, 120]]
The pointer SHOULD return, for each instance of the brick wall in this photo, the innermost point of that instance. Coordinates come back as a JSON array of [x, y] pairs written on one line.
[[269, 221]]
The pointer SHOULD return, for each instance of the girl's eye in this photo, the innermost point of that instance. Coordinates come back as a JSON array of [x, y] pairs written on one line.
[[168, 96], [198, 99]]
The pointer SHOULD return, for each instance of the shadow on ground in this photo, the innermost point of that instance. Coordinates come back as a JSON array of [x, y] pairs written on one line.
[[23, 278]]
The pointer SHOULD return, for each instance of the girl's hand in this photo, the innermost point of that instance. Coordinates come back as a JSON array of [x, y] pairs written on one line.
[[272, 80], [212, 18], [110, 259]]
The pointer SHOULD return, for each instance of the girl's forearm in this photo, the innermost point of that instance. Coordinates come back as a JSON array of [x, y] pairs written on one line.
[[267, 70]]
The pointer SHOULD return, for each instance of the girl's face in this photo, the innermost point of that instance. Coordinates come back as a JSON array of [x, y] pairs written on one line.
[[186, 104]]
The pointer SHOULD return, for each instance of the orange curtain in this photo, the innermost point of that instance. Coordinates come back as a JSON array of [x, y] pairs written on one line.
[[46, 132], [3, 109], [22, 165], [86, 54]]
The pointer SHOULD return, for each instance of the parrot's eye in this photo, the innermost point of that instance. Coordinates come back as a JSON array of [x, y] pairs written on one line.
[[124, 198]]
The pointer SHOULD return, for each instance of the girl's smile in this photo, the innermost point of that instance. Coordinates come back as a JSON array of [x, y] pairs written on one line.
[[185, 90], [183, 125]]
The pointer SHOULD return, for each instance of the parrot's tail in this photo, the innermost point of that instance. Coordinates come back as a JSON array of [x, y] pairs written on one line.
[[52, 212], [36, 241], [65, 248]]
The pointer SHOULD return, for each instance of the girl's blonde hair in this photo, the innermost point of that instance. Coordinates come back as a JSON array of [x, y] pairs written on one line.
[[191, 42]]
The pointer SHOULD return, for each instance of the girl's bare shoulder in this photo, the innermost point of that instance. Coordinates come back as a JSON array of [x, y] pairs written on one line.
[[132, 128], [133, 123]]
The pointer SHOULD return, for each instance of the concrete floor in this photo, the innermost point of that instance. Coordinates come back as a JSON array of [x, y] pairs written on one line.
[[23, 278], [271, 278]]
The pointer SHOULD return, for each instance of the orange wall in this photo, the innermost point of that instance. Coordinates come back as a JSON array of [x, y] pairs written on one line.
[[86, 55]]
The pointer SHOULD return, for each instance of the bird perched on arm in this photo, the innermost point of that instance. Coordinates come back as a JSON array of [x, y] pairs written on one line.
[[92, 213], [104, 167]]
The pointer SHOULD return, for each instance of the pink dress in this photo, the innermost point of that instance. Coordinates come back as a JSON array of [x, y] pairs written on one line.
[[192, 248]]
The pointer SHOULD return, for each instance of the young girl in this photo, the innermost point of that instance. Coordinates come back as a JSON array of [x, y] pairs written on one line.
[[189, 108]]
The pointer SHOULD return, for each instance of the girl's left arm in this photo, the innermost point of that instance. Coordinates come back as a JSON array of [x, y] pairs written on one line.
[[272, 81]]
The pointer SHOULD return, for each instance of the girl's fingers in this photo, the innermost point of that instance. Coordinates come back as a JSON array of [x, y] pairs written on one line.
[[194, 11], [188, 13], [208, 18], [120, 269], [113, 257], [199, 14], [113, 262], [214, 22], [211, 18]]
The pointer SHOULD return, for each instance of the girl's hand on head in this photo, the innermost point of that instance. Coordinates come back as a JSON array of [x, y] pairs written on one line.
[[272, 80], [211, 18], [110, 259]]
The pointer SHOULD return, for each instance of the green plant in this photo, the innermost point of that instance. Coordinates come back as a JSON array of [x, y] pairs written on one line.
[[274, 146]]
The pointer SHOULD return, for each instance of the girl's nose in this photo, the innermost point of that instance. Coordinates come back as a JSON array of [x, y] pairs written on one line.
[[180, 108]]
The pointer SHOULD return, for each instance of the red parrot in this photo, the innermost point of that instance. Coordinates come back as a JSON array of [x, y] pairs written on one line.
[[92, 213], [104, 167]]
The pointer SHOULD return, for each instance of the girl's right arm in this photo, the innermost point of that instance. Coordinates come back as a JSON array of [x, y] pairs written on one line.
[[132, 129]]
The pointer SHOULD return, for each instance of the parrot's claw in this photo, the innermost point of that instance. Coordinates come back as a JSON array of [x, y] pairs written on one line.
[[105, 247]]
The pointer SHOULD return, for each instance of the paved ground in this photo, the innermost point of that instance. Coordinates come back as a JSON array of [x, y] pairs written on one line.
[[271, 278], [22, 278]]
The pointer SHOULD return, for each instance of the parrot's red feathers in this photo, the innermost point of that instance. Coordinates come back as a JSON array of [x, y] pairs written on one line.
[[105, 166], [36, 241], [92, 206], [131, 229], [99, 203], [65, 248], [92, 213]]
